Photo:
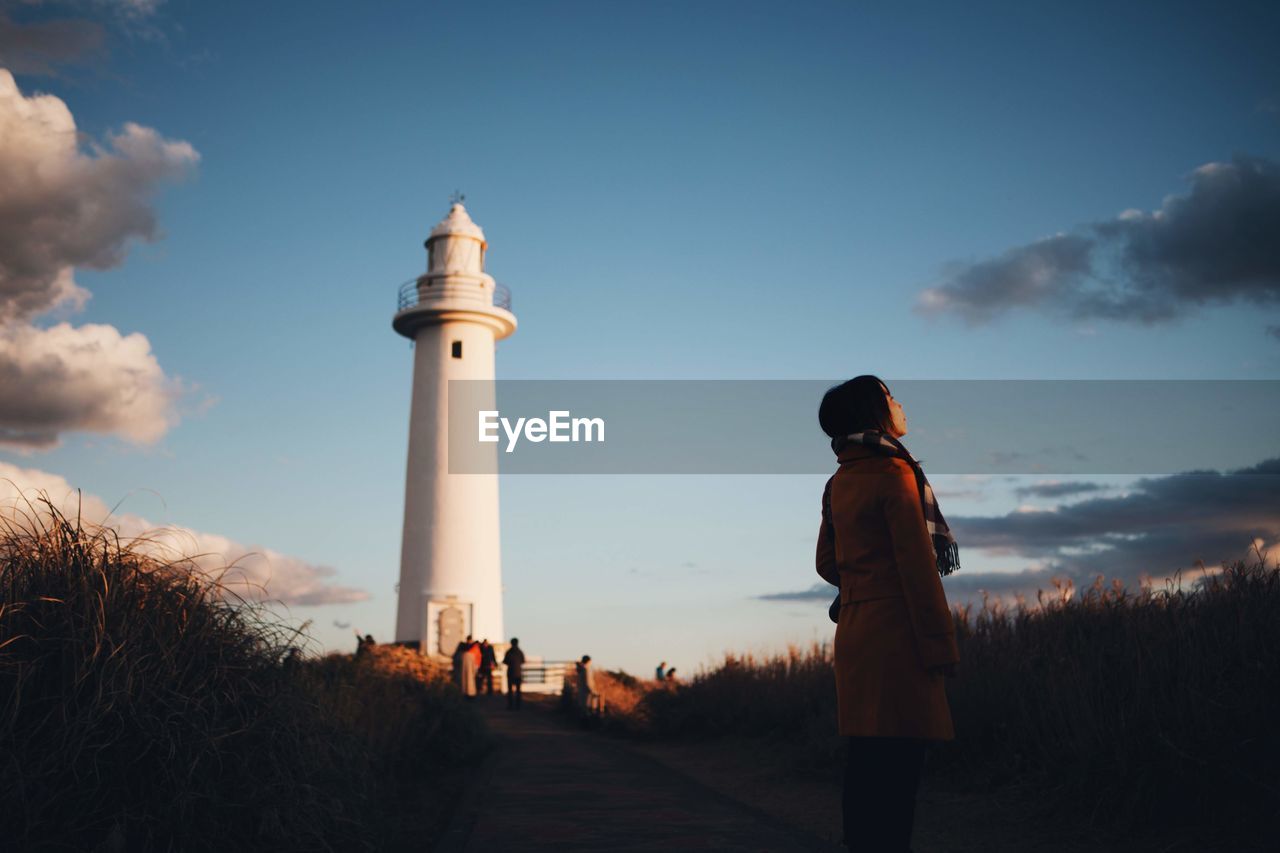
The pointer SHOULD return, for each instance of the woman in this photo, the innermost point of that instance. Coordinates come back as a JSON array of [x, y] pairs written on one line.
[[884, 543]]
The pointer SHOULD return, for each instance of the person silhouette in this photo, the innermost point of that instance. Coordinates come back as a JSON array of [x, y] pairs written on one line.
[[488, 662], [513, 660], [884, 543], [588, 698], [468, 657]]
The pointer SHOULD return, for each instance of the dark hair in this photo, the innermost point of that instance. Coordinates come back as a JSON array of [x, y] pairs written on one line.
[[860, 404], [514, 641]]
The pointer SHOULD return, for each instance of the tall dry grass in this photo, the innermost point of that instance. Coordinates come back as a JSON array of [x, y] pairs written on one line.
[[1132, 710], [1159, 706], [623, 701], [405, 707], [789, 695], [143, 707]]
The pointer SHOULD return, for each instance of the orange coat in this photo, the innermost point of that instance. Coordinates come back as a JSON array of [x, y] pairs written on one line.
[[894, 619]]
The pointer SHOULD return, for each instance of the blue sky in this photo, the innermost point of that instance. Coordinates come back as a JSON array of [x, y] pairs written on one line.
[[670, 190]]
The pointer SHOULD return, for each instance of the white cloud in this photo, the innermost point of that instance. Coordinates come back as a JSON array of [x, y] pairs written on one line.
[[256, 572], [81, 378], [66, 204], [62, 207]]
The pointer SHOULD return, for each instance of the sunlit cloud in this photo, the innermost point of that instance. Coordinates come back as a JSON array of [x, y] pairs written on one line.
[[68, 204], [253, 572], [88, 378]]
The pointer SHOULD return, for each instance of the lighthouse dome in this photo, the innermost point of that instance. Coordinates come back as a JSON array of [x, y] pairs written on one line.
[[457, 223]]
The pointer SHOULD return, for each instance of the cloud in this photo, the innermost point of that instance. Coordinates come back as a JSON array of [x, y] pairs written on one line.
[[817, 592], [41, 47], [257, 572], [132, 8], [1158, 527], [139, 8], [1018, 458], [1056, 489], [64, 207], [1047, 270], [1213, 245], [960, 494], [965, 586], [46, 45], [1274, 331], [81, 378]]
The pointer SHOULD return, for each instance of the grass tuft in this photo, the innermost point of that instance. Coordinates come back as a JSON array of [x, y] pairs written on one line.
[[145, 706]]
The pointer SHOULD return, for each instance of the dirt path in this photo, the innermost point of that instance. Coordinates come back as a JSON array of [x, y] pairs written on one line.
[[551, 786], [949, 818]]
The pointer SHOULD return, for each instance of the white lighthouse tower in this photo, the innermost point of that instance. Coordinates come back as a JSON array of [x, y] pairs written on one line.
[[450, 562]]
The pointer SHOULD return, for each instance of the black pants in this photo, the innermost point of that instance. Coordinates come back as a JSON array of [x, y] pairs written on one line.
[[513, 694], [881, 778]]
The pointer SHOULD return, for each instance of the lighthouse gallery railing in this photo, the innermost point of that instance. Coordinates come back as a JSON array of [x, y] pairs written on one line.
[[408, 297]]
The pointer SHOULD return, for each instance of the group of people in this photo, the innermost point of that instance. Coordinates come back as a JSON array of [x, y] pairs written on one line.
[[474, 663], [661, 673]]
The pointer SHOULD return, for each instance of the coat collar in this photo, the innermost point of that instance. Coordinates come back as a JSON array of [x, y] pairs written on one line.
[[853, 452]]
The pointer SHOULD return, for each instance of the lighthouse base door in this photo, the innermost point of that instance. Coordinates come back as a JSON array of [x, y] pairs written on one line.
[[448, 622]]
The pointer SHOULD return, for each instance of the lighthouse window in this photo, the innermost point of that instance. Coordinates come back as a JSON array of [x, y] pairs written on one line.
[[457, 349]]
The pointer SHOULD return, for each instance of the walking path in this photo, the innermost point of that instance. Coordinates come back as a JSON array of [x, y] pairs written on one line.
[[552, 786]]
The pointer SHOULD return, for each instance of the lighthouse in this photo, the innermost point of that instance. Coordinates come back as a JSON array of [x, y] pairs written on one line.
[[450, 559]]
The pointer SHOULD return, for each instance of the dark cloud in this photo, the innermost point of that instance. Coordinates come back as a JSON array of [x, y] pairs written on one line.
[[960, 494], [1274, 331], [1045, 271], [959, 587], [1159, 526], [823, 591], [43, 47], [967, 586], [1034, 461], [1214, 245], [1056, 490]]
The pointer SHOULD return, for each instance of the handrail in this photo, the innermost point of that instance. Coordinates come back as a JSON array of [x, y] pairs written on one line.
[[409, 295], [501, 296]]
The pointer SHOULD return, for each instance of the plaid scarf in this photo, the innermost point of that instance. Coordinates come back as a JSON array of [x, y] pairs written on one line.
[[944, 544]]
